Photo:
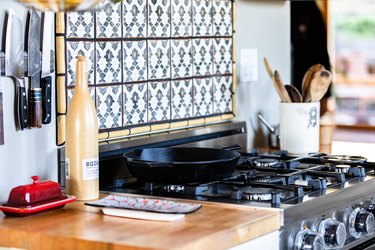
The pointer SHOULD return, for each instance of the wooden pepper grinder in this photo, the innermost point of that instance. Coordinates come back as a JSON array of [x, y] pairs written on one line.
[[82, 163]]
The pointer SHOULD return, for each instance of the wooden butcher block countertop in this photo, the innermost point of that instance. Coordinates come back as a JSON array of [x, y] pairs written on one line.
[[76, 226]]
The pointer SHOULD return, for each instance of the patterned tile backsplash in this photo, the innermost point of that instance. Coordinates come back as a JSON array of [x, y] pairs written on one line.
[[154, 61]]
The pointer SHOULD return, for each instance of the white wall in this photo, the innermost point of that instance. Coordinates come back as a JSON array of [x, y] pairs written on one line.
[[264, 25], [29, 152]]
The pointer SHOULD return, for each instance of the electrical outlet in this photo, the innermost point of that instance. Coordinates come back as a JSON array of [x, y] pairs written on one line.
[[249, 65]]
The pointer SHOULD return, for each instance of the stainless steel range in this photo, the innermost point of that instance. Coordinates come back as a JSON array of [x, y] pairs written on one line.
[[328, 201]]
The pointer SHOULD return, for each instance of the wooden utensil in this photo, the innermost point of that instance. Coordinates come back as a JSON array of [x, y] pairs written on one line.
[[307, 78], [319, 85], [268, 67], [293, 93], [279, 86]]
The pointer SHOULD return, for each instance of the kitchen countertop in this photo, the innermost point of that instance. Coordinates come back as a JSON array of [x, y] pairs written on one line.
[[77, 226]]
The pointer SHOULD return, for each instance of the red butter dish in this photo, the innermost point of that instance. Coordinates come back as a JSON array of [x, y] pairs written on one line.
[[34, 198]]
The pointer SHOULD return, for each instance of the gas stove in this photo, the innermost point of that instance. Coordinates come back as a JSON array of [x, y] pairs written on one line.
[[328, 201], [269, 180]]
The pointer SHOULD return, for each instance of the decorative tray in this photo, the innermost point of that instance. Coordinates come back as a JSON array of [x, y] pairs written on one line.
[[146, 204], [36, 208]]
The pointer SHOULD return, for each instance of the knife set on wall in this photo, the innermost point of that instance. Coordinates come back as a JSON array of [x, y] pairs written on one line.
[[34, 110]]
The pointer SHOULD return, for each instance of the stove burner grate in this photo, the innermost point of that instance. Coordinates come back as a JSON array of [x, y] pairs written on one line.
[[343, 159]]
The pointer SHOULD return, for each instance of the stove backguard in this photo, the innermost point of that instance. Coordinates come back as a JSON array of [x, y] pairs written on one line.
[[112, 170]]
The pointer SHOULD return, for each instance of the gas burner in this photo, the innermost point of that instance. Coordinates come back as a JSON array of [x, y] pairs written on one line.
[[343, 159], [268, 178], [173, 188], [265, 162], [258, 194], [342, 168]]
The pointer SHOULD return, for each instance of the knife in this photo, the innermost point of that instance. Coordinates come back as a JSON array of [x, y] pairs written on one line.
[[46, 81], [14, 45], [33, 49]]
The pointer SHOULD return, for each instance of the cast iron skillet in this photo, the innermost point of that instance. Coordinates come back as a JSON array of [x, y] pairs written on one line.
[[181, 165]]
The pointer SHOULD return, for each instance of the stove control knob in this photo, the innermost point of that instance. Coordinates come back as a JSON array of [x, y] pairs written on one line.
[[361, 223], [333, 232], [308, 239]]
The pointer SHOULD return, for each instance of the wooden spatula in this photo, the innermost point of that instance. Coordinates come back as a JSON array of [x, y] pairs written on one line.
[[279, 86], [307, 78]]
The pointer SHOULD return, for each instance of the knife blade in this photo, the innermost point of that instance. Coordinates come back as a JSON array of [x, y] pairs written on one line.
[[14, 45], [34, 68], [46, 81]]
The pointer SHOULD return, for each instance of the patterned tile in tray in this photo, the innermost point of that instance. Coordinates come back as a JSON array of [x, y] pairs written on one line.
[[222, 17], [159, 59], [202, 94], [202, 18], [73, 50], [182, 99], [108, 62], [222, 94], [135, 20], [159, 101], [108, 21], [135, 103], [202, 57], [146, 204], [159, 18], [135, 61], [222, 56], [80, 24], [109, 106], [181, 18], [181, 58]]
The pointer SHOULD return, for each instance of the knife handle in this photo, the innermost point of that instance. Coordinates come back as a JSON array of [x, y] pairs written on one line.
[[21, 105], [46, 84], [35, 108]]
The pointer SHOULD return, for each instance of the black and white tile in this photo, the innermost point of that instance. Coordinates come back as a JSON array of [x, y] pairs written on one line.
[[223, 56], [109, 106], [222, 17], [135, 19], [159, 101], [135, 61], [182, 61], [202, 18], [182, 99], [70, 93], [80, 25], [108, 21], [108, 62], [75, 49], [202, 94], [182, 25], [202, 57], [159, 16], [159, 59], [223, 94], [135, 104]]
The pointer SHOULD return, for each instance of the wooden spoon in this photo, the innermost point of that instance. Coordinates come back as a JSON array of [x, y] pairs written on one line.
[[319, 85], [293, 93]]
